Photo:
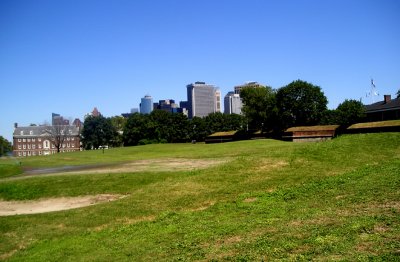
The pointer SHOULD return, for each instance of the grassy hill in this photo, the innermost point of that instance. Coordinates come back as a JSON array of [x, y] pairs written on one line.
[[271, 200]]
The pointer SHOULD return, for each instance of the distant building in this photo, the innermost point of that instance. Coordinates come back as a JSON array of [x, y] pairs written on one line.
[[37, 140], [95, 112], [146, 105], [57, 119], [203, 99], [232, 103], [247, 84], [168, 105], [134, 110], [78, 123], [217, 100], [388, 109]]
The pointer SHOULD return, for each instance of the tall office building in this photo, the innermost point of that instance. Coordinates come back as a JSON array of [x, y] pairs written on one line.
[[146, 105], [203, 99], [232, 103], [247, 84]]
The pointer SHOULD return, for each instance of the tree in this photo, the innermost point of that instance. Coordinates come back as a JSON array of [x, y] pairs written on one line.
[[5, 146], [259, 107], [135, 129], [350, 112], [118, 123], [300, 104], [398, 93], [98, 131], [58, 134]]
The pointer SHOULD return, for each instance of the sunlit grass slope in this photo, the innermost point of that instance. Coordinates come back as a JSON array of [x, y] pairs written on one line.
[[336, 200]]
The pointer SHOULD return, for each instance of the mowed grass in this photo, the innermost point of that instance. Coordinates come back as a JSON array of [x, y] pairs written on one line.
[[273, 200]]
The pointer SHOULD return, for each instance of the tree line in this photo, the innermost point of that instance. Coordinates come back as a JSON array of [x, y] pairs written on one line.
[[271, 110]]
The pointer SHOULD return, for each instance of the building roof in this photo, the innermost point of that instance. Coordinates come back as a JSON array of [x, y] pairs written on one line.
[[29, 131], [383, 106], [389, 123], [313, 128]]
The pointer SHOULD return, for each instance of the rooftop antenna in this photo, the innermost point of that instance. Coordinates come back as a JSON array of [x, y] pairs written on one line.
[[373, 91]]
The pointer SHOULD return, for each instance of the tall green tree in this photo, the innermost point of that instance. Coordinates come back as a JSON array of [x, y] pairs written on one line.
[[98, 131], [5, 146], [136, 129], [259, 107], [118, 122], [350, 112], [300, 104]]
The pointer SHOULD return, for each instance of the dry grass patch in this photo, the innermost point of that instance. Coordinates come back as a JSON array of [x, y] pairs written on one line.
[[10, 208], [270, 164], [203, 206]]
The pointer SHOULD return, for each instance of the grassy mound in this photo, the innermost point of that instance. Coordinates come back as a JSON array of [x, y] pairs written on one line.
[[336, 200]]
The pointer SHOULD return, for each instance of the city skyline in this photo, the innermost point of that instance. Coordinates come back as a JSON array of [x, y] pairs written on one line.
[[68, 57]]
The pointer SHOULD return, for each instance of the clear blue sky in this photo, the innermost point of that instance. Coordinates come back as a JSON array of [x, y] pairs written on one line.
[[68, 56]]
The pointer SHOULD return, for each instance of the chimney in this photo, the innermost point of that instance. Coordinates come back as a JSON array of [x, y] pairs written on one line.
[[387, 98], [15, 125]]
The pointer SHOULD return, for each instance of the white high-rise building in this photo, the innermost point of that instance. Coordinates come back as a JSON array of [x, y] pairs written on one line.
[[146, 105], [232, 103], [203, 99]]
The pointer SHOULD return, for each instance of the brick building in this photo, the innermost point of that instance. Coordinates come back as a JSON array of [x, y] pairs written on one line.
[[38, 140]]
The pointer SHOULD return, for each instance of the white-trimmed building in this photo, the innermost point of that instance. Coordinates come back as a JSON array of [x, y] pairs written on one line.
[[38, 140]]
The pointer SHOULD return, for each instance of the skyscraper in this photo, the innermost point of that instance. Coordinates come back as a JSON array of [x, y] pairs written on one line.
[[203, 99], [232, 103], [146, 105]]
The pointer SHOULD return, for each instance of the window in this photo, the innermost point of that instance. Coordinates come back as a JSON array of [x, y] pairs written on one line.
[[72, 138], [24, 140], [33, 153], [24, 146], [39, 139], [29, 153], [33, 146], [68, 139], [33, 140], [19, 139], [28, 140], [73, 145], [40, 146], [24, 153], [52, 146], [19, 146], [19, 153], [22, 132], [68, 145], [29, 146], [31, 132], [40, 153]]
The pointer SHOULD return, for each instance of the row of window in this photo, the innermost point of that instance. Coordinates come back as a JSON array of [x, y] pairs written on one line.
[[39, 153], [31, 132], [40, 140], [40, 146]]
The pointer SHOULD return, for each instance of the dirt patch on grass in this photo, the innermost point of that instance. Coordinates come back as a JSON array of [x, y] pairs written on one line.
[[147, 165], [10, 208], [155, 165]]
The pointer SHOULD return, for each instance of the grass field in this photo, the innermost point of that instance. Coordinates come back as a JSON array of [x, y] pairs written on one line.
[[268, 200]]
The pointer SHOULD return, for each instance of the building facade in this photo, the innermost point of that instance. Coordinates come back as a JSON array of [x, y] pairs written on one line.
[[247, 84], [203, 99], [146, 105], [232, 103], [38, 140]]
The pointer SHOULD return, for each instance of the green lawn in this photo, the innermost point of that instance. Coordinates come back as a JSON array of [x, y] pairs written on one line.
[[272, 200]]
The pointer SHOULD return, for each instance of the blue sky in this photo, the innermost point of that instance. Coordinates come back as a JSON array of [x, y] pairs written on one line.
[[68, 56]]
